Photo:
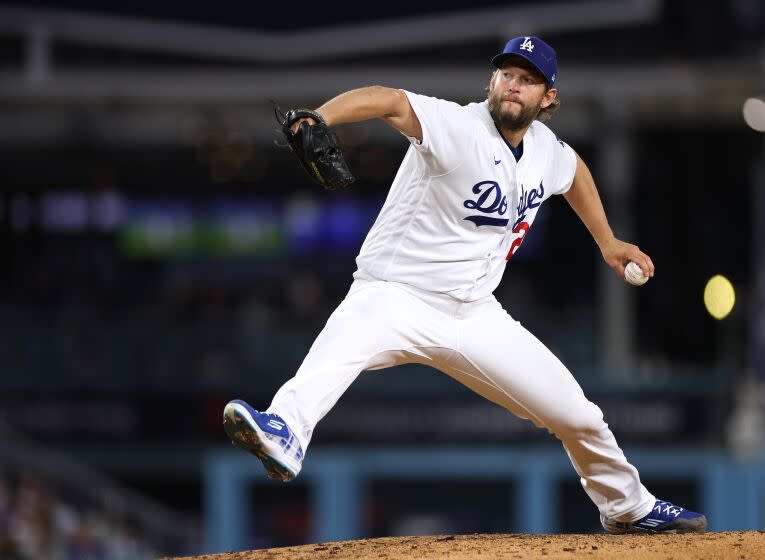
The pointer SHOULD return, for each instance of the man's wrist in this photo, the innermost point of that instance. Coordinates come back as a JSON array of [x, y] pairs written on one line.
[[604, 240]]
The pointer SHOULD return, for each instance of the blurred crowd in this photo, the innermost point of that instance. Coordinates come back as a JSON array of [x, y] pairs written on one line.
[[38, 523], [165, 322]]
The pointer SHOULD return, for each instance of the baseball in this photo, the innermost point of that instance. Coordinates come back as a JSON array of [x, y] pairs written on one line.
[[634, 274]]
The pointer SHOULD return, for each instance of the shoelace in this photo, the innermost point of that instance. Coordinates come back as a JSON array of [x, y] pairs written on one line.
[[666, 508]]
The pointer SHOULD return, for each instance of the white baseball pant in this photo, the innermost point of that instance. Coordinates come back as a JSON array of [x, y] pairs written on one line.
[[382, 324]]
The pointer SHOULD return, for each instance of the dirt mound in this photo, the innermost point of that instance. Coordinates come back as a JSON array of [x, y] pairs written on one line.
[[731, 545]]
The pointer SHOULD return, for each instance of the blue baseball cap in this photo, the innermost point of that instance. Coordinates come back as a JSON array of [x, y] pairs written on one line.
[[536, 51]]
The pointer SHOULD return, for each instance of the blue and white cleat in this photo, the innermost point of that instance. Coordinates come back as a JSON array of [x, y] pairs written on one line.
[[266, 436], [664, 518]]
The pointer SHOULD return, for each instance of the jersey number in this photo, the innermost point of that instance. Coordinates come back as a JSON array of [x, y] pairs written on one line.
[[521, 229]]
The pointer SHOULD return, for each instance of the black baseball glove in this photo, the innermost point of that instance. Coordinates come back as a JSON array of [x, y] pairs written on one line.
[[316, 148]]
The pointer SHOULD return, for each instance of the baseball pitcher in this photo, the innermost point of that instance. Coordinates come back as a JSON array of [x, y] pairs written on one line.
[[462, 202]]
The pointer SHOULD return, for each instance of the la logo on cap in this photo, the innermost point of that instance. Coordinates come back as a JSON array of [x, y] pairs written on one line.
[[527, 44]]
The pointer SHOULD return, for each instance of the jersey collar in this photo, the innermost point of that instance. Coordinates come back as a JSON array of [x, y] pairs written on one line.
[[517, 152]]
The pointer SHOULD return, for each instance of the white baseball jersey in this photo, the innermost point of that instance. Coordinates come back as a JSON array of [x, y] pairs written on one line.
[[458, 209], [460, 204]]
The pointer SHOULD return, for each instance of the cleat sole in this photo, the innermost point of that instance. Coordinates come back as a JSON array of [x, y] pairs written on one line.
[[244, 436], [695, 525]]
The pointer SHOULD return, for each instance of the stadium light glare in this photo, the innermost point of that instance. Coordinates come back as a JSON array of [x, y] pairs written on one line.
[[754, 113], [719, 296]]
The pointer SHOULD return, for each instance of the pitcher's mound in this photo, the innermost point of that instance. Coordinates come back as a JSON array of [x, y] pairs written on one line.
[[707, 546]]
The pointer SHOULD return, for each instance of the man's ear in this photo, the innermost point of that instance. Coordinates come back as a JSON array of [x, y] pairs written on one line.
[[550, 96]]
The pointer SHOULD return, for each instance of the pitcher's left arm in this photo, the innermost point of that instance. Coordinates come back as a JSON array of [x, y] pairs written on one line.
[[584, 199]]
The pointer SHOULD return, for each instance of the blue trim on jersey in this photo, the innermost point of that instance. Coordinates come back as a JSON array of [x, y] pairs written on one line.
[[517, 152]]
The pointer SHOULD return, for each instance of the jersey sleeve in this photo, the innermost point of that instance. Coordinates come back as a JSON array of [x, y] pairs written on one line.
[[446, 128], [562, 167]]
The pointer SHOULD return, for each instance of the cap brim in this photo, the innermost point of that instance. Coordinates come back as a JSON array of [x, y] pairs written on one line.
[[500, 59]]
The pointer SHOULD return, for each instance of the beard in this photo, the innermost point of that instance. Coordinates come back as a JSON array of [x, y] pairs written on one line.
[[506, 120]]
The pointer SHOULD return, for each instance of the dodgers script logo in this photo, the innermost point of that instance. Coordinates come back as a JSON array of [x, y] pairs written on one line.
[[490, 201]]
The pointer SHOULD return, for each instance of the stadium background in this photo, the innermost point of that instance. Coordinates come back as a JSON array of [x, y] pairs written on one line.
[[162, 256]]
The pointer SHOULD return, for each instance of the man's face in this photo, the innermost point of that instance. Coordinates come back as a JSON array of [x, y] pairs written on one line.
[[517, 92]]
